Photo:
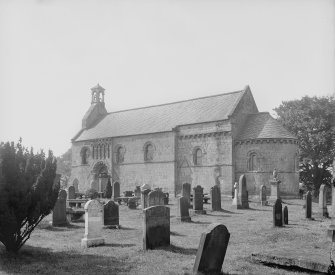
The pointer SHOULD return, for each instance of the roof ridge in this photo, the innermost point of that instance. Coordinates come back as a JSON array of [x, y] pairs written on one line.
[[180, 101]]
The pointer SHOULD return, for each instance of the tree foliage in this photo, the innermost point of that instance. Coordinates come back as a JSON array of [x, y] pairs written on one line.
[[108, 191], [28, 192], [311, 119]]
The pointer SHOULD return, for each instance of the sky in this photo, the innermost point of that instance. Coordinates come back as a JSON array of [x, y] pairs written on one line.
[[152, 52]]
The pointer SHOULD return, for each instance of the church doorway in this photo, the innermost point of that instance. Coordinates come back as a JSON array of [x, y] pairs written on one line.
[[100, 175]]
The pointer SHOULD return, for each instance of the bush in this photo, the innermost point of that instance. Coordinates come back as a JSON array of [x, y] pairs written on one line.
[[92, 193], [108, 191], [28, 192]]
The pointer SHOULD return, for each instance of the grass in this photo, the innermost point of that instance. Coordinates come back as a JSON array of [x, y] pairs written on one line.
[[57, 250]]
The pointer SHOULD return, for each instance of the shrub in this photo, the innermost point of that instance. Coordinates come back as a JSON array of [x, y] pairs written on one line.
[[108, 191], [92, 193], [28, 192]]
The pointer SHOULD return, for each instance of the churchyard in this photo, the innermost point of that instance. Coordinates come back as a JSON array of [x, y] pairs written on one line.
[[53, 249]]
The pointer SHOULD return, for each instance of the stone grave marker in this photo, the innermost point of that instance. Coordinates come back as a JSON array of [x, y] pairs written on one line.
[[277, 213], [198, 204], [186, 192], [111, 214], [237, 200], [211, 250], [323, 201], [94, 221], [155, 197], [182, 210], [71, 193], [285, 215], [132, 203], [137, 191], [166, 198], [243, 192], [263, 195], [59, 211], [144, 198], [308, 209], [216, 198], [156, 227], [116, 190]]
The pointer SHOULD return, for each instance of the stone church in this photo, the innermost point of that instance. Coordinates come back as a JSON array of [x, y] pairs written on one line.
[[203, 141]]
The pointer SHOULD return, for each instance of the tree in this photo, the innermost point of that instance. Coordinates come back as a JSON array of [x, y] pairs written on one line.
[[28, 192], [311, 119], [108, 191], [64, 163]]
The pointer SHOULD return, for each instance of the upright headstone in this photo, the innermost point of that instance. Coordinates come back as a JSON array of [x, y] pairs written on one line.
[[94, 221], [186, 192], [198, 197], [323, 201], [155, 197], [144, 198], [308, 209], [277, 213], [59, 210], [166, 198], [216, 198], [237, 200], [243, 192], [285, 215], [132, 203], [331, 228], [156, 227], [211, 250], [71, 193], [182, 210], [262, 195], [116, 190], [111, 214], [137, 191]]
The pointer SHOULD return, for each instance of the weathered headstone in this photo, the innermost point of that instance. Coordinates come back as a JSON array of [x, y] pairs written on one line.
[[71, 193], [243, 192], [186, 192], [59, 211], [155, 197], [198, 204], [216, 198], [277, 213], [182, 210], [137, 191], [111, 214], [262, 195], [116, 190], [212, 250], [275, 190], [237, 200], [144, 198], [94, 221], [132, 203], [308, 209], [156, 227], [323, 201], [285, 215], [166, 198]]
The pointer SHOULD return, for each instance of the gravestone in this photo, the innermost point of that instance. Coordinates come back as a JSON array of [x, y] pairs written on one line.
[[59, 210], [156, 227], [182, 210], [211, 250], [216, 198], [144, 198], [94, 221], [111, 214], [243, 192], [237, 200], [198, 205], [263, 195], [137, 191], [285, 215], [275, 191], [71, 193], [132, 203], [116, 190], [323, 201], [277, 213], [186, 192], [166, 198], [155, 197], [308, 209]]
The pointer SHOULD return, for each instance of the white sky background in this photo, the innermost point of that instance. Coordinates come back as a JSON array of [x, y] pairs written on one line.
[[152, 52]]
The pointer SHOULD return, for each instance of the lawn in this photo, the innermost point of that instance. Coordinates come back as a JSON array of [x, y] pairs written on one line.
[[52, 250]]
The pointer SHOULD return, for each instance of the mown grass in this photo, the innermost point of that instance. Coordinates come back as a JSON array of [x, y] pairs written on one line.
[[57, 250]]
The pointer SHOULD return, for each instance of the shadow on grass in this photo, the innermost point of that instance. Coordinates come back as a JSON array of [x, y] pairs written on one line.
[[199, 222], [180, 250], [33, 260], [254, 209], [176, 234], [60, 228], [126, 228], [119, 245], [219, 216]]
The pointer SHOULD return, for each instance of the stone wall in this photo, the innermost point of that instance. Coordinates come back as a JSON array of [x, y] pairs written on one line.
[[270, 154]]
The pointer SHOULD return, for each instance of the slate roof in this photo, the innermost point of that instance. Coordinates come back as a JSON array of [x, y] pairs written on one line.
[[163, 118], [263, 126]]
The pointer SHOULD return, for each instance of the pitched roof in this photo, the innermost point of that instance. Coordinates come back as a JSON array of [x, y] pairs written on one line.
[[263, 126], [162, 118]]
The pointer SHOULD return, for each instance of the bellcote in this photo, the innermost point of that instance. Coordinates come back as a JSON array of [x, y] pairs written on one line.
[[98, 94]]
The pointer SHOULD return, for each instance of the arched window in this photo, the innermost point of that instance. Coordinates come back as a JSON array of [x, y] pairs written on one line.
[[84, 154], [252, 162], [149, 150], [100, 151], [197, 156], [119, 154]]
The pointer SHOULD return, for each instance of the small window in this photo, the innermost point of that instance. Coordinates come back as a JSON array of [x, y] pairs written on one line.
[[84, 154], [149, 152], [197, 156], [252, 162], [119, 157]]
